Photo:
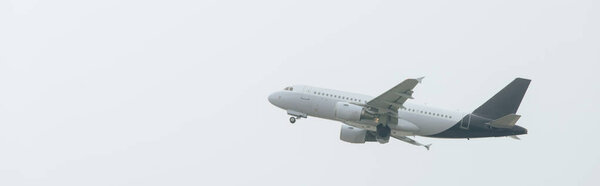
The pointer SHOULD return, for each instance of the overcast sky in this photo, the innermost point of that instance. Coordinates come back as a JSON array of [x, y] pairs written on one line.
[[125, 92]]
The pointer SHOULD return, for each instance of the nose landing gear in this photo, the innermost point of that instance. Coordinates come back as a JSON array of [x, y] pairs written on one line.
[[295, 115]]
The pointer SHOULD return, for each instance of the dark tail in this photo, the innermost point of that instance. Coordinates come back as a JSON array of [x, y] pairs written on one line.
[[506, 101]]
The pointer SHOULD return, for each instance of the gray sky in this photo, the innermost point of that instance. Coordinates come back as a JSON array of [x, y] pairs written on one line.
[[175, 92]]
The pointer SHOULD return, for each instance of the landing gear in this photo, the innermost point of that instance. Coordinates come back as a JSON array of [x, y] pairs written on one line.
[[295, 115], [383, 133]]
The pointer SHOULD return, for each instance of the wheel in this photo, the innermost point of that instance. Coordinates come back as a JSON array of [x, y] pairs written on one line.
[[383, 131], [292, 120]]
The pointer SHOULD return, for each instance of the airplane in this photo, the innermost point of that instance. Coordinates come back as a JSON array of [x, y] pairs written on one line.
[[370, 119]]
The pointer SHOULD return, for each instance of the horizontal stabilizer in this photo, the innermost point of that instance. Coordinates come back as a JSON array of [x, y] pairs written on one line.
[[507, 121]]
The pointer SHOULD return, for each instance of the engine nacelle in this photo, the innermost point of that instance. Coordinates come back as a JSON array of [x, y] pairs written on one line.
[[350, 112], [355, 135]]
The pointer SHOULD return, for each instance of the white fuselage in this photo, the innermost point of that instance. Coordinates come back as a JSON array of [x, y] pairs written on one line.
[[320, 102]]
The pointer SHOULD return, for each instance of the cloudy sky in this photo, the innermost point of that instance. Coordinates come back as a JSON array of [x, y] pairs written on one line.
[[126, 92]]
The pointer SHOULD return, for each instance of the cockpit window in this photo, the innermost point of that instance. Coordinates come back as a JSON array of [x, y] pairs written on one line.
[[289, 88]]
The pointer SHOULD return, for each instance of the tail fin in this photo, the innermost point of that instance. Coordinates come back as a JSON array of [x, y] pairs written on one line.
[[506, 101]]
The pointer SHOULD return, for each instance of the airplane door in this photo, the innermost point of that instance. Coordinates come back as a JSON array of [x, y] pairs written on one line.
[[305, 101], [464, 123], [306, 95]]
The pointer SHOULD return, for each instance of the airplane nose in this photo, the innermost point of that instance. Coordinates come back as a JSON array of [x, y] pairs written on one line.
[[272, 98]]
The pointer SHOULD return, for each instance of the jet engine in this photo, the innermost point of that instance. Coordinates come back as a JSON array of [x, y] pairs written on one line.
[[355, 135], [350, 112]]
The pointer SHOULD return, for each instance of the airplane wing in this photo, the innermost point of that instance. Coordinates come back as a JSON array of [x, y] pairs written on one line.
[[393, 99], [411, 141]]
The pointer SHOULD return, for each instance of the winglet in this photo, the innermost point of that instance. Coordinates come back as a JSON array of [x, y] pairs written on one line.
[[420, 80], [427, 146], [515, 137]]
